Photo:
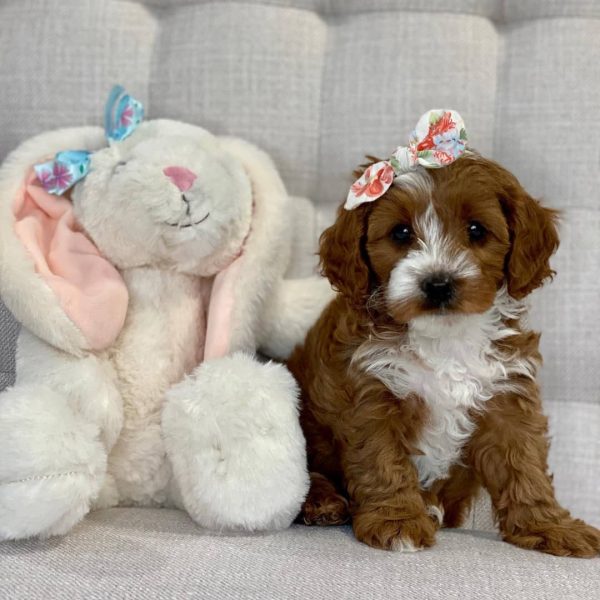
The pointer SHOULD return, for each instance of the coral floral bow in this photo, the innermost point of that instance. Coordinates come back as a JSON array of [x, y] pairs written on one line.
[[438, 140]]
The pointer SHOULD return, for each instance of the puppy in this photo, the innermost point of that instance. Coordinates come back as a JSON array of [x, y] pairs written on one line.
[[419, 379]]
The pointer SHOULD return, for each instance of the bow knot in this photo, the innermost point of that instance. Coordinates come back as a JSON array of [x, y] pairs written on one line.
[[122, 115], [438, 140], [404, 159]]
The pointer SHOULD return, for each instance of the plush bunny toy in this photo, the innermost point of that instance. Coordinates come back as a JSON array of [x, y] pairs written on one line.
[[144, 291]]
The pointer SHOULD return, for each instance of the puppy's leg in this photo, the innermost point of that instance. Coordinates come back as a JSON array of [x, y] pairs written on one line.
[[324, 505], [455, 495], [387, 506], [509, 452]]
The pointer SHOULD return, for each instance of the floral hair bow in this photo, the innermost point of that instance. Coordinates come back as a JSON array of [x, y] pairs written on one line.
[[122, 115], [438, 140]]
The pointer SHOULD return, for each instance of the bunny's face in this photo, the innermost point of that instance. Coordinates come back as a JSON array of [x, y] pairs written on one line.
[[166, 197]]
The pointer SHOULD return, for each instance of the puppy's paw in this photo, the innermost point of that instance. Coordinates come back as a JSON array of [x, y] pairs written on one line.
[[435, 509], [567, 537], [324, 506], [327, 511], [436, 512], [401, 535]]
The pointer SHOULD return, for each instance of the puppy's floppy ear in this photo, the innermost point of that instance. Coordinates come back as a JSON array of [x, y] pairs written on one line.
[[343, 256], [534, 238]]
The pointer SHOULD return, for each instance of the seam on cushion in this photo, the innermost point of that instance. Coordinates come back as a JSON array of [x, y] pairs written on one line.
[[323, 14], [500, 62], [568, 209], [553, 18], [546, 402], [399, 11], [316, 185], [163, 9], [156, 38], [501, 20]]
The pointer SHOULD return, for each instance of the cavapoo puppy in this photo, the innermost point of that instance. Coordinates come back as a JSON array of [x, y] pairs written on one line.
[[419, 379]]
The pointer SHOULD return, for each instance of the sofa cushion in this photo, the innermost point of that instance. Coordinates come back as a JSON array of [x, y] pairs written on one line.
[[319, 83], [153, 553]]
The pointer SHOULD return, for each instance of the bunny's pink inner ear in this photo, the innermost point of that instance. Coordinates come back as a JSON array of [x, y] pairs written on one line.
[[219, 323], [88, 288]]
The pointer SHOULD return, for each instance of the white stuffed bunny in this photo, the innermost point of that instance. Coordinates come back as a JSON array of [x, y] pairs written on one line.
[[144, 292]]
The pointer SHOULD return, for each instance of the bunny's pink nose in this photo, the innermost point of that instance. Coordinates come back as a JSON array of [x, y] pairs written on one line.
[[183, 178]]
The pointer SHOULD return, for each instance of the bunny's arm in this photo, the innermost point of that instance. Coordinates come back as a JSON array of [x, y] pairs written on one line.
[[293, 308]]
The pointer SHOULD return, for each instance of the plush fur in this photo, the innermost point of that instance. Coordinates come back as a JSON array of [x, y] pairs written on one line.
[[238, 465], [25, 294], [146, 421], [419, 380]]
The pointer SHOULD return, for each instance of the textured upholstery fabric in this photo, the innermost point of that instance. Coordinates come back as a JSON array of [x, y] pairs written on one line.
[[319, 83], [145, 554]]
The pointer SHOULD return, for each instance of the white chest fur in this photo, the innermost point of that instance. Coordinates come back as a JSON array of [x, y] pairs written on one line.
[[160, 343], [453, 365]]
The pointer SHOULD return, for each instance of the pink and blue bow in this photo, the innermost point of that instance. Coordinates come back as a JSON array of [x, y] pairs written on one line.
[[122, 115]]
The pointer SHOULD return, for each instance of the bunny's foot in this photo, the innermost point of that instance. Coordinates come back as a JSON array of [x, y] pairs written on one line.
[[233, 437], [52, 463]]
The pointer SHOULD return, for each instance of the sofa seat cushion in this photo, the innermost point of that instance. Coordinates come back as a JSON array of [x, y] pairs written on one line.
[[160, 553]]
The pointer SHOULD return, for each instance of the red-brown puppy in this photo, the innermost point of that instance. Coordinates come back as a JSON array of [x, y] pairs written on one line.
[[419, 379]]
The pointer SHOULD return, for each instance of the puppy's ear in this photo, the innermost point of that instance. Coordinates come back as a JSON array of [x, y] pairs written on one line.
[[343, 255], [534, 238]]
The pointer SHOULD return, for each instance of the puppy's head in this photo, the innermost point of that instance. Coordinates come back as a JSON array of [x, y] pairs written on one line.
[[441, 241]]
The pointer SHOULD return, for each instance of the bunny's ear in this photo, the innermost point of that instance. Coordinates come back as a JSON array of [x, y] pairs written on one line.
[[52, 277], [234, 314]]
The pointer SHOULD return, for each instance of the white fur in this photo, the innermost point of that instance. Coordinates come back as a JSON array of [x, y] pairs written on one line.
[[436, 512], [417, 182], [157, 348], [405, 546], [294, 306], [128, 206], [52, 463], [83, 429], [267, 249], [435, 254], [23, 292], [452, 364], [88, 384], [232, 431]]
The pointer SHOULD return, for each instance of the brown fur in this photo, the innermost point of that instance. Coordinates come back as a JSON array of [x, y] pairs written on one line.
[[360, 437]]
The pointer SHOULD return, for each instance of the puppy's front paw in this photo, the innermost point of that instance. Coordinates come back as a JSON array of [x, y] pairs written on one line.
[[403, 535], [567, 537], [324, 505]]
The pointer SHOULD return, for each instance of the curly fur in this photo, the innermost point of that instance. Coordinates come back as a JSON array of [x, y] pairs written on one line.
[[409, 407]]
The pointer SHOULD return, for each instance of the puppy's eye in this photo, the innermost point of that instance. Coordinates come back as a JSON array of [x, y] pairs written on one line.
[[476, 231], [119, 166], [401, 234]]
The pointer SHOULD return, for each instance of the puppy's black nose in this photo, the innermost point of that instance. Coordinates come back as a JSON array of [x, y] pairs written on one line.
[[438, 289]]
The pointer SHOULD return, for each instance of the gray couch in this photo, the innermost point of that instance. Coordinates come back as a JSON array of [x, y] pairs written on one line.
[[318, 83]]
